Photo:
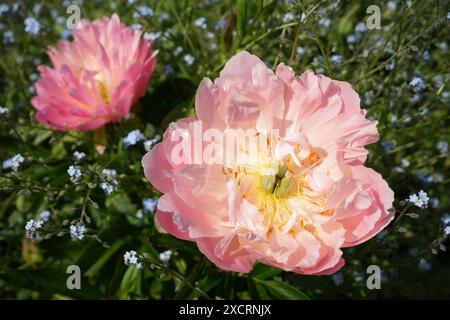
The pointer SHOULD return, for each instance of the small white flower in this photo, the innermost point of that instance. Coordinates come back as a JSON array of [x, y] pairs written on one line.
[[77, 231], [445, 218], [74, 173], [417, 83], [79, 155], [361, 27], [13, 162], [29, 225], [152, 36], [148, 144], [65, 34], [136, 26], [110, 182], [139, 215], [133, 137], [189, 59], [201, 23], [336, 58], [8, 37], [442, 146], [300, 50], [420, 200], [424, 197], [45, 215], [447, 231], [303, 17], [131, 257], [392, 5], [143, 11], [109, 173], [177, 50], [413, 198], [288, 17], [149, 204], [165, 256], [405, 163], [32, 26], [38, 224], [3, 8], [107, 188], [4, 111], [31, 228], [221, 24], [325, 22], [352, 38], [127, 256]]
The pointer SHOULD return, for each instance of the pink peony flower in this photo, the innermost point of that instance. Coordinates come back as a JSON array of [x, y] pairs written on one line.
[[96, 78], [295, 208]]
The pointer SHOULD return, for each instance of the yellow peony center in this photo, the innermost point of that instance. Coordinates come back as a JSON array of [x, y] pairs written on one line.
[[104, 92], [280, 191]]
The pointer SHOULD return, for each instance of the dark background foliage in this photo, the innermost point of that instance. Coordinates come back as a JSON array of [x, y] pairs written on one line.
[[326, 36]]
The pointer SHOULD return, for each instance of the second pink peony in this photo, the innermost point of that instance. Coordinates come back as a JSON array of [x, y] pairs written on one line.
[[96, 78]]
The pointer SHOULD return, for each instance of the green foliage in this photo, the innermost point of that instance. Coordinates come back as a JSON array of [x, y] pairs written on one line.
[[380, 64]]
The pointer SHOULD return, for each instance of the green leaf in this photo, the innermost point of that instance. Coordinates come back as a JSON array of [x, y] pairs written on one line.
[[281, 290], [266, 3], [345, 25], [131, 283], [23, 204], [5, 203], [104, 258], [59, 151], [42, 135], [121, 203], [205, 285], [263, 272], [197, 273], [262, 292], [242, 16]]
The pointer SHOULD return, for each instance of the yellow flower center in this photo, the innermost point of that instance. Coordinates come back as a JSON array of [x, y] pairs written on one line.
[[104, 92], [280, 190]]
